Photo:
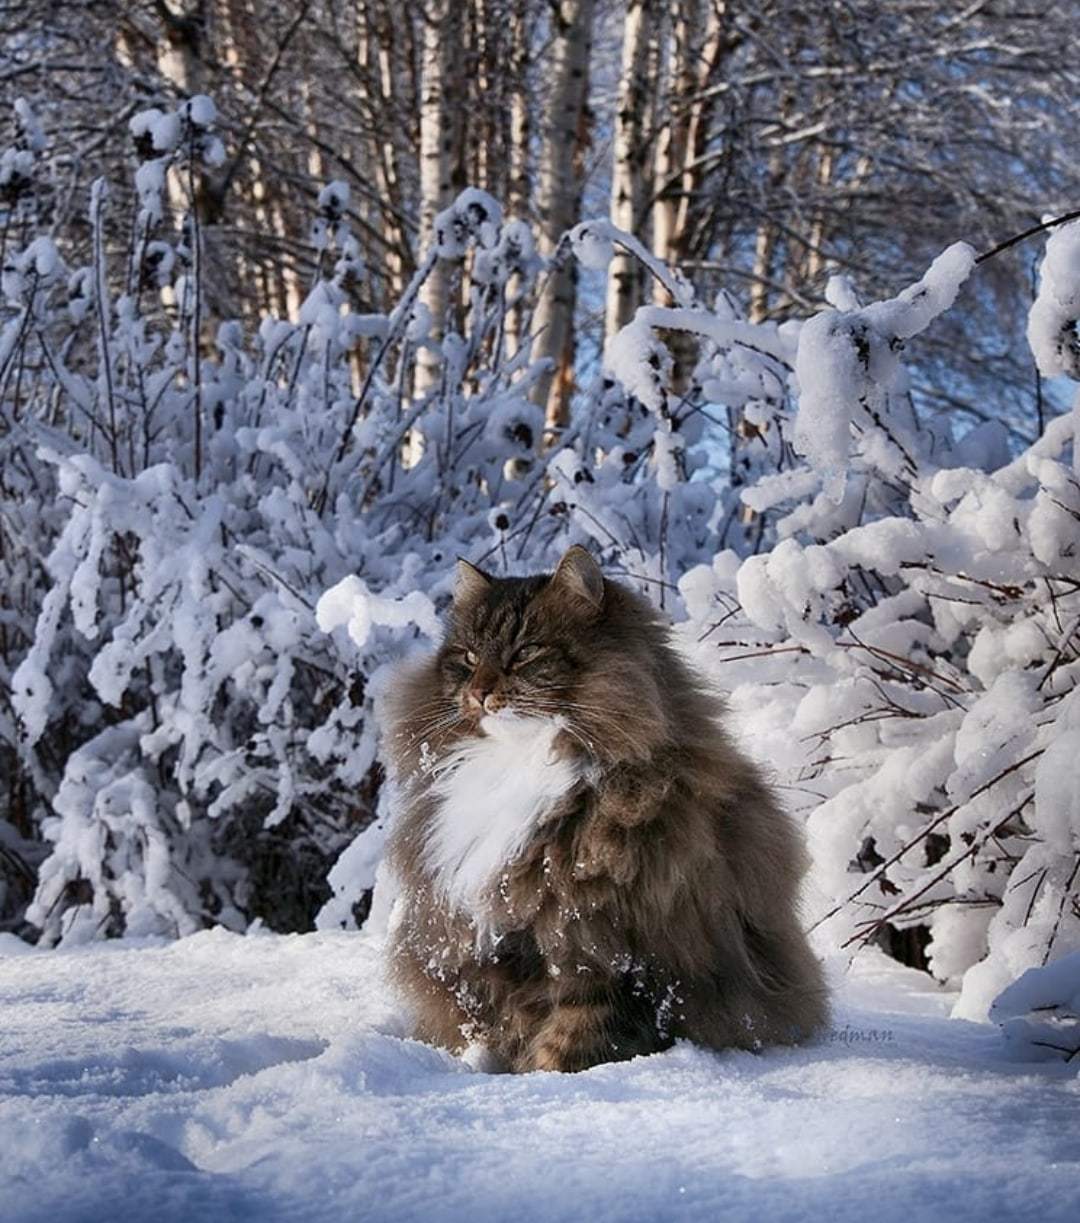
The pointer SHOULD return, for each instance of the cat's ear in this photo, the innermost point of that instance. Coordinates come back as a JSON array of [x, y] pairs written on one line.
[[578, 576], [471, 582]]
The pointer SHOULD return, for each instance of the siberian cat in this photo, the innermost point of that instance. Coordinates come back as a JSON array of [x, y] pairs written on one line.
[[590, 869]]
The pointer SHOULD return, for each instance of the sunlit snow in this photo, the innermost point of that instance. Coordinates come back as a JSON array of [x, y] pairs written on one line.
[[222, 1077]]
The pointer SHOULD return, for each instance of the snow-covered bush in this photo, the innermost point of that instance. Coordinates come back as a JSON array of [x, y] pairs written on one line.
[[1040, 1013], [906, 650], [200, 749]]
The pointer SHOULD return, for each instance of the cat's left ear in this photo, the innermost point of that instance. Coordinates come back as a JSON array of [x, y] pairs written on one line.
[[471, 582], [579, 576]]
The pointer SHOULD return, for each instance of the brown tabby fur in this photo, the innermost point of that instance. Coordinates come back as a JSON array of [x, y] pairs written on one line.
[[656, 900]]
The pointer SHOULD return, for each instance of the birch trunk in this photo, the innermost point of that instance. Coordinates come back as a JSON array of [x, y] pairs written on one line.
[[181, 56], [520, 192], [695, 48], [699, 41], [485, 169], [180, 61], [637, 86], [763, 274], [814, 264], [441, 53], [563, 128], [180, 51], [519, 184]]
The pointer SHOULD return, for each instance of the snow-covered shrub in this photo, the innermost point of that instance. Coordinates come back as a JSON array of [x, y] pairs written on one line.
[[906, 648], [29, 517], [201, 749], [1040, 1012]]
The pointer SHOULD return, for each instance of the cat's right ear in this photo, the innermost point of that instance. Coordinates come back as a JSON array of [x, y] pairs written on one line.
[[578, 578], [471, 582]]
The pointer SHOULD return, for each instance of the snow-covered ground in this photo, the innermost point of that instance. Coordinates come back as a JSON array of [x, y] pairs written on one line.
[[265, 1078]]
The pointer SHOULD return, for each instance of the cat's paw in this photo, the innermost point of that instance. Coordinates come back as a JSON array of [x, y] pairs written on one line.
[[632, 795], [558, 1061], [559, 1056], [604, 850], [546, 1058]]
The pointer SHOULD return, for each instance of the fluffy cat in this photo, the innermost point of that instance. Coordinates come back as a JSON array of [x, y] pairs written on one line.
[[590, 869]]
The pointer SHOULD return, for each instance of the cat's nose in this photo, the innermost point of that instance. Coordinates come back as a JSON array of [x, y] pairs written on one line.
[[482, 697], [477, 696]]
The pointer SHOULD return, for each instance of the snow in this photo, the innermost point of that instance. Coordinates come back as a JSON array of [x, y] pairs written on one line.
[[1057, 782], [640, 361], [200, 110], [266, 1078], [149, 184], [334, 197], [847, 367], [163, 128], [668, 448], [32, 134], [1051, 322], [592, 245], [1040, 988], [917, 306], [474, 214], [828, 369], [352, 604]]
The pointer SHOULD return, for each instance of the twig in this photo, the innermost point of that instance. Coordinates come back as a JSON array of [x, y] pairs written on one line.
[[1028, 233], [399, 317], [1065, 894], [880, 872], [904, 905]]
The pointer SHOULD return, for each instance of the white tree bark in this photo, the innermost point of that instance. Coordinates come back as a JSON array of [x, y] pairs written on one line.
[[441, 56], [629, 188], [520, 113], [559, 196], [179, 59], [695, 48], [519, 179]]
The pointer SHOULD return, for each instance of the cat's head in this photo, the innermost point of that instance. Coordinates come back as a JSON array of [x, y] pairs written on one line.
[[567, 645]]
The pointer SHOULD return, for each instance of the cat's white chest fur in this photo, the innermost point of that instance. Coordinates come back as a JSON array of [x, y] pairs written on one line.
[[491, 793]]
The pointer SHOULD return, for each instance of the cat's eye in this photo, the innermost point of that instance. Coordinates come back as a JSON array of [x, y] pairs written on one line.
[[527, 654], [471, 658]]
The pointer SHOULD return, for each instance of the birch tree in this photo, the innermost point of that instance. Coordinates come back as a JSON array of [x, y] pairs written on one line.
[[630, 179], [559, 197], [519, 193], [859, 138], [441, 60]]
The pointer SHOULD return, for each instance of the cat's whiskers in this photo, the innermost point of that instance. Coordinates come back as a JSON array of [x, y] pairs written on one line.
[[585, 713], [593, 706], [571, 729], [433, 725], [434, 710], [436, 703], [437, 723], [552, 711]]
